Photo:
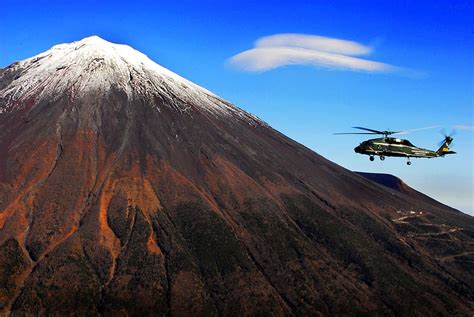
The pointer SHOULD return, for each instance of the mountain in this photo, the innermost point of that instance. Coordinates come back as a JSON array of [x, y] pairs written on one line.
[[398, 185], [388, 180], [128, 190]]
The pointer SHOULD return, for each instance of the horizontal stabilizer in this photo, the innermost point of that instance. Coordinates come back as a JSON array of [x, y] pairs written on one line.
[[448, 152]]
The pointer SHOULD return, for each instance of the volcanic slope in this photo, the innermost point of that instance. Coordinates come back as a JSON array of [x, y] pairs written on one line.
[[128, 190]]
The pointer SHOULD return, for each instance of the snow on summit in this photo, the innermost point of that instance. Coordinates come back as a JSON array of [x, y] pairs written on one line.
[[94, 64]]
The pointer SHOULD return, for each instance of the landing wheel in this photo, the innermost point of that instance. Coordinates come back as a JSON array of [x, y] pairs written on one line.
[[371, 158], [382, 158], [408, 163]]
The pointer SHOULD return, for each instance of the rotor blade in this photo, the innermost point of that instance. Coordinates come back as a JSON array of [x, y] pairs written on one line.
[[465, 127], [445, 133], [444, 140], [374, 131], [412, 130], [356, 133]]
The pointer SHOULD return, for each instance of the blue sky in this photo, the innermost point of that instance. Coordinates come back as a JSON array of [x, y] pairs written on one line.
[[432, 41]]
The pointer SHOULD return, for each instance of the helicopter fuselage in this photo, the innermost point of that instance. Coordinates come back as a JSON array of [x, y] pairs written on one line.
[[389, 146], [396, 147]]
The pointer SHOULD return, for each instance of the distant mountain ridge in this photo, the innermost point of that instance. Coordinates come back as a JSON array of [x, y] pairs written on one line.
[[397, 184]]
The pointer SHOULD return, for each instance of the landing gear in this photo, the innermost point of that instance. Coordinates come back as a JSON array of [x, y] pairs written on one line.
[[371, 158], [408, 162], [382, 158]]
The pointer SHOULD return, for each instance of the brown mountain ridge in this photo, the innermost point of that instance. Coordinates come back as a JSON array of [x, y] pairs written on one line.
[[128, 190]]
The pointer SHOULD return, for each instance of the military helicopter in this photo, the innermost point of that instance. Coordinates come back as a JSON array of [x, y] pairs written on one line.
[[389, 146]]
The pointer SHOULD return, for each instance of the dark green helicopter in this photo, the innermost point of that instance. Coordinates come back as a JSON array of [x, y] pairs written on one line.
[[388, 146]]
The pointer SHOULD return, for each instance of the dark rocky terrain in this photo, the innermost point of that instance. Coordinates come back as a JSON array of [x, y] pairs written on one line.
[[127, 190]]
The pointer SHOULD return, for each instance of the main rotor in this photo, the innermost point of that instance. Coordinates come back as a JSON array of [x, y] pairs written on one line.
[[385, 133]]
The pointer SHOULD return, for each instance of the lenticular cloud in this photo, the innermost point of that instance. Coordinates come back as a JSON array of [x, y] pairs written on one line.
[[279, 50], [314, 42]]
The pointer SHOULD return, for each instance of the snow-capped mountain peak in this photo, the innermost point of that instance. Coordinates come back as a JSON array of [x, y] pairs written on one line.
[[96, 65]]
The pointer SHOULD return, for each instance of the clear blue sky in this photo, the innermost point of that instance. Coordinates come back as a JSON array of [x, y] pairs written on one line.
[[432, 39]]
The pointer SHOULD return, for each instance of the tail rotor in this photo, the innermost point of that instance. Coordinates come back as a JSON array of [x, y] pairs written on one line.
[[448, 138], [445, 143]]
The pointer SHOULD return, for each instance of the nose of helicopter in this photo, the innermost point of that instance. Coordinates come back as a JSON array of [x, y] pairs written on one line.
[[357, 149]]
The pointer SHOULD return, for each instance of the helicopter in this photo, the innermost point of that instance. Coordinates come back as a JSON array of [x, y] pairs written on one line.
[[390, 146]]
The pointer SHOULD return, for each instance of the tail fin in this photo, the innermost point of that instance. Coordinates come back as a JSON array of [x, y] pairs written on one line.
[[444, 149]]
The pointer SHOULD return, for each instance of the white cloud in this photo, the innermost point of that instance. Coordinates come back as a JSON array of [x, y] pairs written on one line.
[[314, 42], [266, 58], [298, 49]]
